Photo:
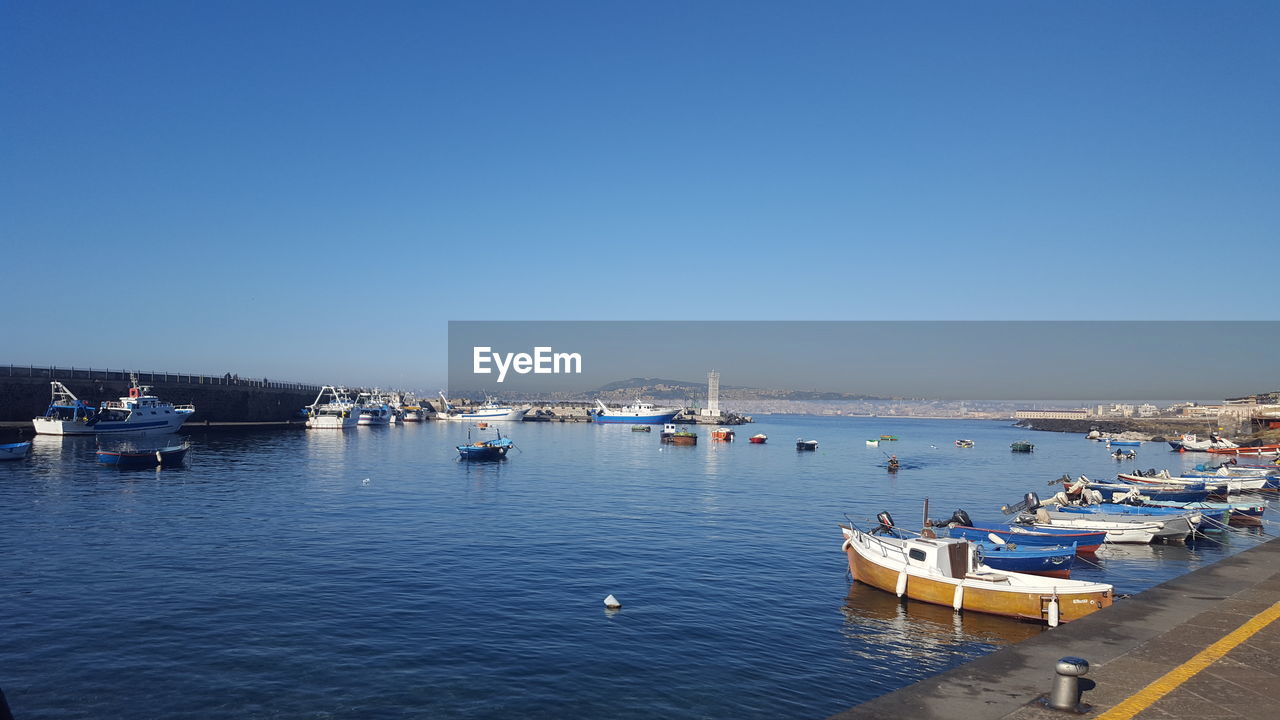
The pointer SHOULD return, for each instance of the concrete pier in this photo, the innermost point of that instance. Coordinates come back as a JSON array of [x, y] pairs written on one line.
[[1203, 645]]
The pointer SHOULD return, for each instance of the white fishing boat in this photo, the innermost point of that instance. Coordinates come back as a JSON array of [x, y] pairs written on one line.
[[138, 412], [332, 410], [374, 409], [640, 412], [490, 411]]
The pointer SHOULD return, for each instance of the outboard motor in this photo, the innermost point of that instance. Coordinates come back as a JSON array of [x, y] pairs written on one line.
[[958, 518], [886, 524], [1030, 501]]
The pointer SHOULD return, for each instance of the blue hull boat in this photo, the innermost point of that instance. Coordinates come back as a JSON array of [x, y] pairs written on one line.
[[486, 450], [171, 456], [15, 451], [1053, 562], [1190, 493], [1085, 542], [1125, 443]]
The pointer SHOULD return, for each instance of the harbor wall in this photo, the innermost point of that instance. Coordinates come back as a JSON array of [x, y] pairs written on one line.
[[25, 392], [1154, 427]]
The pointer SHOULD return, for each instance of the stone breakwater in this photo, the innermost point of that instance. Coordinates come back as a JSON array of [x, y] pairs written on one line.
[[1150, 428], [22, 398]]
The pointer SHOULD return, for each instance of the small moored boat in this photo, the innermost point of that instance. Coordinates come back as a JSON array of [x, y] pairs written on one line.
[[170, 456], [807, 445], [1021, 446], [945, 571], [873, 443], [723, 434], [15, 451], [758, 439], [682, 436], [641, 428], [485, 449], [964, 443]]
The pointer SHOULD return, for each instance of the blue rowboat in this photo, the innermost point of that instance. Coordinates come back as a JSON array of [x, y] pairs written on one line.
[[485, 450], [1011, 557], [1085, 542], [1125, 443], [1185, 494], [170, 456], [15, 451]]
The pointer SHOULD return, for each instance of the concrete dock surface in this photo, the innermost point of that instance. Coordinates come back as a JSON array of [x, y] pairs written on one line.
[[1204, 645]]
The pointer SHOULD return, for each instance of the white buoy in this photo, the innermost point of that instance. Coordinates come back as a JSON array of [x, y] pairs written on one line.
[[612, 603]]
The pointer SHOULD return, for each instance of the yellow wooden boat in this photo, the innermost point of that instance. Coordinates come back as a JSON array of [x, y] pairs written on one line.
[[948, 571]]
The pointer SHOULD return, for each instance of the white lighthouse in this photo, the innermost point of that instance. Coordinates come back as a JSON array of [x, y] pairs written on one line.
[[713, 395]]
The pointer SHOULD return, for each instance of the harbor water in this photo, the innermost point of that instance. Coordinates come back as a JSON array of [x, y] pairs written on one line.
[[367, 573]]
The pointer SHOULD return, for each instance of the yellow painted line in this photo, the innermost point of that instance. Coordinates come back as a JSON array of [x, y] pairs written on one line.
[[1147, 696]]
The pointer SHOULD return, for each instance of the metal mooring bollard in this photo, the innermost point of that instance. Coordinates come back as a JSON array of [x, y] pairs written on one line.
[[1065, 694]]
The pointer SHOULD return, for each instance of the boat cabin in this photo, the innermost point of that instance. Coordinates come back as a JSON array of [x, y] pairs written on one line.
[[949, 557]]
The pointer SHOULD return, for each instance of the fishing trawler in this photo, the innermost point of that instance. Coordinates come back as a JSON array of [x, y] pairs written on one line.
[[640, 412], [138, 412], [332, 410], [490, 411], [374, 410]]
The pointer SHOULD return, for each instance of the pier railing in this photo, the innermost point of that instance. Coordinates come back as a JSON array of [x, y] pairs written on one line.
[[148, 376]]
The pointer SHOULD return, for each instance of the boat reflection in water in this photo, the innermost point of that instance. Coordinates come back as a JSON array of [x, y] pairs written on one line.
[[933, 636]]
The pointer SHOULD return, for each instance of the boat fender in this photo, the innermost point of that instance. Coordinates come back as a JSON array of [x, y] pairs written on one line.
[[957, 599], [901, 589], [1053, 612]]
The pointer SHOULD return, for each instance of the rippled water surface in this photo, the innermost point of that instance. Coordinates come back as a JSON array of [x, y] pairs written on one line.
[[366, 573]]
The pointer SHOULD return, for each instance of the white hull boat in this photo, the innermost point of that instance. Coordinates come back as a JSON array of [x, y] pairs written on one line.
[[332, 410], [1117, 532], [488, 412], [139, 412]]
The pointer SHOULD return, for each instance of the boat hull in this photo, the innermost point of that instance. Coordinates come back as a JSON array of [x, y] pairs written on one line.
[[1261, 450], [161, 425], [332, 422], [976, 596], [658, 419], [125, 460], [679, 439], [503, 415], [1045, 562], [15, 451], [1085, 542]]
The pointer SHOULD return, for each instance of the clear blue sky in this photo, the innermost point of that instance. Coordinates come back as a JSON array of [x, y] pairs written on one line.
[[311, 190]]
